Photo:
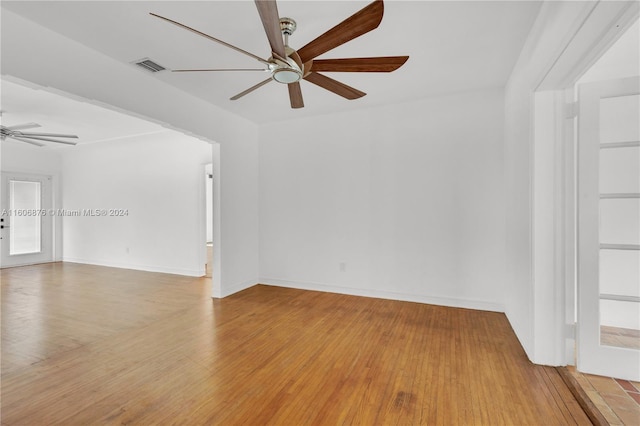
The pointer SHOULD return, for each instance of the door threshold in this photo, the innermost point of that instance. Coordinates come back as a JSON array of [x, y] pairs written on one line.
[[605, 400]]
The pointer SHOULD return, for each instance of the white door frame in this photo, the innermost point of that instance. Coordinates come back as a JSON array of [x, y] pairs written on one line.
[[553, 179], [46, 213]]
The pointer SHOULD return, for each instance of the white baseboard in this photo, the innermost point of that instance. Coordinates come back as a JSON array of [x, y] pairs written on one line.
[[479, 305], [138, 267], [228, 290], [17, 265]]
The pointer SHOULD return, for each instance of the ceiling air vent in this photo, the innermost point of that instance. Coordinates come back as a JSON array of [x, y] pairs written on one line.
[[149, 65]]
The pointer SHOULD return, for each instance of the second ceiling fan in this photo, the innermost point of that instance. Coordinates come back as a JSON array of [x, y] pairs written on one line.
[[289, 66]]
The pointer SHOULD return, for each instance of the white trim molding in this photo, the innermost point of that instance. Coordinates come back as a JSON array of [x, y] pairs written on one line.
[[479, 305], [139, 267]]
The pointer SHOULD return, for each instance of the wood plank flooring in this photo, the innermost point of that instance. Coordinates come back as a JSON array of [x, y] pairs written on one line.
[[93, 345]]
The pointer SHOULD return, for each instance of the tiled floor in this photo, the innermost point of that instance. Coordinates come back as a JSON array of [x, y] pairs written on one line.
[[617, 400]]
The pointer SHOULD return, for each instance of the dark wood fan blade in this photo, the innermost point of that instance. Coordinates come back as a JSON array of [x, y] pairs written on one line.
[[268, 10], [221, 69], [334, 86], [207, 36], [360, 23], [379, 64], [251, 89], [295, 95]]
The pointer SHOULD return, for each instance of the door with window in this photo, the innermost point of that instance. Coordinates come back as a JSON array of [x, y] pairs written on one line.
[[609, 228], [26, 220]]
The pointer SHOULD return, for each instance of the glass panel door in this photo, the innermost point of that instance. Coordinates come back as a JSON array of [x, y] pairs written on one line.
[[25, 204], [609, 228], [26, 225], [619, 187]]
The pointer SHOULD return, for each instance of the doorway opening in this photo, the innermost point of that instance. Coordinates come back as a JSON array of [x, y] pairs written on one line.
[[618, 176], [26, 213], [608, 212], [129, 171], [208, 187], [556, 195]]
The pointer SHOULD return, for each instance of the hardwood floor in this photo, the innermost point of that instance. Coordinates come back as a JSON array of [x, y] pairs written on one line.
[[93, 345]]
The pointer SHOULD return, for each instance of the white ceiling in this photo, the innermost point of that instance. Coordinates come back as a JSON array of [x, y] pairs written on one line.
[[453, 46], [60, 114]]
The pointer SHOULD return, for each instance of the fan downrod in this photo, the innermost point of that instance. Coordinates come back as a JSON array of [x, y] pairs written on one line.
[[286, 70]]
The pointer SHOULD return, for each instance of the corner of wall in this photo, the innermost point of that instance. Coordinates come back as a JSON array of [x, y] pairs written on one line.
[[228, 290]]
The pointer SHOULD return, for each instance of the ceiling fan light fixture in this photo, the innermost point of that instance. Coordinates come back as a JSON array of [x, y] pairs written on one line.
[[287, 75], [285, 71]]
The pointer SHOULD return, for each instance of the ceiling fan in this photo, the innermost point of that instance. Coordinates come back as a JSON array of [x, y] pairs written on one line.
[[289, 66], [16, 132]]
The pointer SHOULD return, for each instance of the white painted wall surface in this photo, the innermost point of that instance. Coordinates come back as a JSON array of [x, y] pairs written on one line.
[[157, 180], [25, 158], [403, 202], [70, 67], [21, 157]]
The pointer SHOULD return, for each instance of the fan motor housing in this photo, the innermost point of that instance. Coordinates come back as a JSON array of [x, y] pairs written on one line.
[[286, 72]]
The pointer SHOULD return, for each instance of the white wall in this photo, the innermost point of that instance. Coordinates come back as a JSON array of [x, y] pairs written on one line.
[[158, 180], [407, 197], [22, 157], [71, 67], [25, 158]]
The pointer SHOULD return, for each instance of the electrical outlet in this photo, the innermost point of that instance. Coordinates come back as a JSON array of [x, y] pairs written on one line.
[[343, 267]]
